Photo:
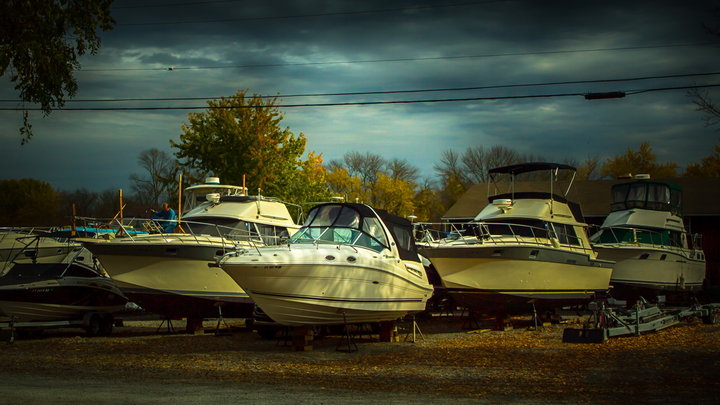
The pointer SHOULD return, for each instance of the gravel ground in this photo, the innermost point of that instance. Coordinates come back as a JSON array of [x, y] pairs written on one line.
[[140, 364]]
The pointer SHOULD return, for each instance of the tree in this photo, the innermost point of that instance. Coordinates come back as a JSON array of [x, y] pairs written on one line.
[[29, 202], [393, 195], [402, 169], [158, 183], [589, 169], [241, 135], [633, 162], [342, 184], [708, 167], [366, 166], [40, 42]]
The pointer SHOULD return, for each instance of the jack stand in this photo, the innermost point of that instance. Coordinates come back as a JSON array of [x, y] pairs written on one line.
[[415, 331], [11, 340], [221, 320], [346, 339], [170, 328], [535, 318]]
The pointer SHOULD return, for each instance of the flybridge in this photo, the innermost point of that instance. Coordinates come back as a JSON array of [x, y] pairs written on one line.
[[649, 195]]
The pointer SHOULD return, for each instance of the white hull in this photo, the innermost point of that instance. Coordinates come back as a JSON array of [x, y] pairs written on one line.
[[660, 269], [160, 270], [312, 285], [523, 278]]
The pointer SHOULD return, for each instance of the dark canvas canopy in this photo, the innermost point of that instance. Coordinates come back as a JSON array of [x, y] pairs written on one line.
[[529, 167]]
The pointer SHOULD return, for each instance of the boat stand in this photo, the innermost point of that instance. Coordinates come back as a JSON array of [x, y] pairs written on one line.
[[221, 320], [170, 327], [537, 322], [346, 340], [415, 331]]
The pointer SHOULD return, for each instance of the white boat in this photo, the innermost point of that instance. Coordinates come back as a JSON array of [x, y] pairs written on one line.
[[523, 248], [645, 235], [63, 290], [175, 274], [23, 245], [349, 263]]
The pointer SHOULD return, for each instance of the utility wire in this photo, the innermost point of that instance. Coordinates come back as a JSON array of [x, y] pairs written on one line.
[[316, 15], [385, 92], [487, 55], [360, 103], [189, 3]]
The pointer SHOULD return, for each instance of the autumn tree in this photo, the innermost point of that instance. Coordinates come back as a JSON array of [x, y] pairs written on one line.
[[242, 135], [637, 162], [40, 43], [708, 167], [342, 184]]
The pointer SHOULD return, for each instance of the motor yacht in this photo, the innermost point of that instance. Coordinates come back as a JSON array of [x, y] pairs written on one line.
[[64, 290], [349, 263], [645, 234], [523, 249], [175, 274], [23, 245]]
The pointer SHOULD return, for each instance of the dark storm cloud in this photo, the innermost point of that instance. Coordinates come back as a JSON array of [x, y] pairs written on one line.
[[290, 47]]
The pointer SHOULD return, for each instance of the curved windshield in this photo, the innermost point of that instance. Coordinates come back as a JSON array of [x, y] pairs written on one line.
[[334, 223]]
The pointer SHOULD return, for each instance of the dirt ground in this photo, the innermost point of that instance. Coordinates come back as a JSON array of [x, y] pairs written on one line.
[[141, 363]]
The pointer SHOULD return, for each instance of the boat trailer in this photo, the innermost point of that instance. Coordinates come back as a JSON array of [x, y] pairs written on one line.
[[607, 322], [95, 324]]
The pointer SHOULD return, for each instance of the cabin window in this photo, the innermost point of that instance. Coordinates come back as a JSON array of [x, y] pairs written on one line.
[[566, 234], [663, 256], [644, 256]]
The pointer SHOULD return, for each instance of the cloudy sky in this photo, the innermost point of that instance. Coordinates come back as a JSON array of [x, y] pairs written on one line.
[[486, 62]]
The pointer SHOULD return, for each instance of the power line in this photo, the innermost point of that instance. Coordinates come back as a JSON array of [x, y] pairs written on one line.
[[386, 92], [189, 3], [390, 60], [360, 103], [317, 15]]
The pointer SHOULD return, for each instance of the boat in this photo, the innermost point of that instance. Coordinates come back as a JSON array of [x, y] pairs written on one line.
[[175, 274], [645, 234], [64, 290], [349, 263], [23, 245], [524, 249]]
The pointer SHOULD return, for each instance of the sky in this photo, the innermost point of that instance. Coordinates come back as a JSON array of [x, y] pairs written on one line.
[[452, 75]]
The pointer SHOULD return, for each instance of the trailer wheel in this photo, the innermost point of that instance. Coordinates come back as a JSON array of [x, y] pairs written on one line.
[[106, 325], [93, 326], [711, 318]]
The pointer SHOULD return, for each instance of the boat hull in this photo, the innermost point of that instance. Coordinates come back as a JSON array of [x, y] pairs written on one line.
[[511, 278], [330, 286], [643, 270], [59, 300], [174, 279]]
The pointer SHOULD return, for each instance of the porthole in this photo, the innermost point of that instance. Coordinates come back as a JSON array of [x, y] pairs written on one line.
[[352, 259], [329, 257], [663, 256], [644, 256]]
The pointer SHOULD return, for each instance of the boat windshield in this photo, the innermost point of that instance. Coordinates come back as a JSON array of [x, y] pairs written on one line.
[[227, 227], [336, 223], [651, 195]]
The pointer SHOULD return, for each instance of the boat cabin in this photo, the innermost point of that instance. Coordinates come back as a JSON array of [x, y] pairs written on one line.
[[649, 195]]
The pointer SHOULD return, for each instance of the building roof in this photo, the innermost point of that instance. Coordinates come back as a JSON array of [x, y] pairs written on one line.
[[701, 196]]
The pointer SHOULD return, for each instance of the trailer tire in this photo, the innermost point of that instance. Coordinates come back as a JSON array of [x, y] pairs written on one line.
[[93, 326]]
